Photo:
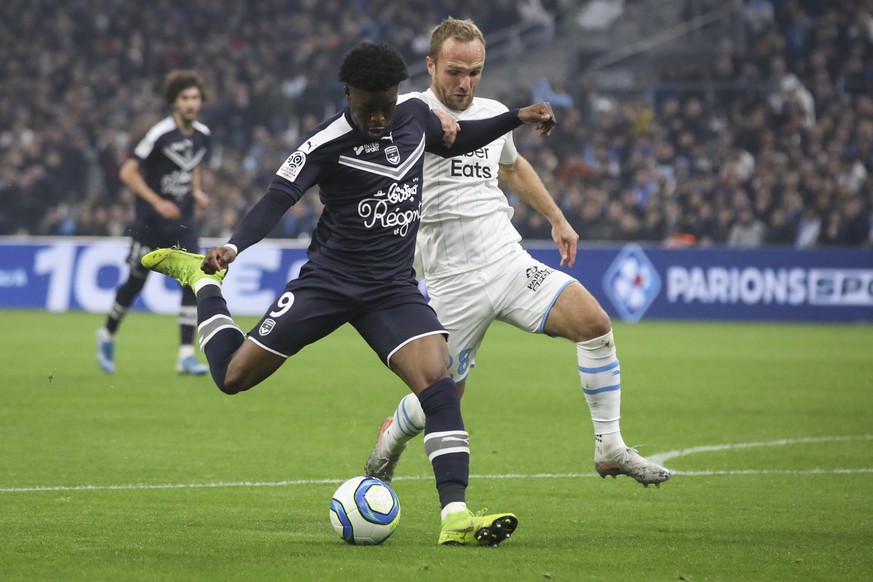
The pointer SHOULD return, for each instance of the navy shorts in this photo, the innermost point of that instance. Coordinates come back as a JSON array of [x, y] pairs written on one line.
[[388, 314]]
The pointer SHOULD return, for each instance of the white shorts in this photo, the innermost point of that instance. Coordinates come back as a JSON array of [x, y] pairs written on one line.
[[517, 289]]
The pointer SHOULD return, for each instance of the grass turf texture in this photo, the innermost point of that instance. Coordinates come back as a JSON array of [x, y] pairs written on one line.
[[167, 457]]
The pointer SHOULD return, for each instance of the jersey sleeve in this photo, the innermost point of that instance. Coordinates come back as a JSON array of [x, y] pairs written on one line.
[[296, 175], [474, 134], [143, 148], [260, 219], [508, 154]]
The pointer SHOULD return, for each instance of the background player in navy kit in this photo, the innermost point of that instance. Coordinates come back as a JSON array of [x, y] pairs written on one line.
[[164, 173], [477, 272], [367, 161]]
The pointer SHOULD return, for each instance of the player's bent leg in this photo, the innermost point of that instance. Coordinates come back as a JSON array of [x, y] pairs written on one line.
[[579, 317], [236, 365]]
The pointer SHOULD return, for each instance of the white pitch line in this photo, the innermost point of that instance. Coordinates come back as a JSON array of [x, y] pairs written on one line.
[[659, 458], [662, 458], [217, 485], [773, 472]]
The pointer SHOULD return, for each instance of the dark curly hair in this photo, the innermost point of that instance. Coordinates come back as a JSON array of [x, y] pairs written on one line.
[[373, 67], [180, 79]]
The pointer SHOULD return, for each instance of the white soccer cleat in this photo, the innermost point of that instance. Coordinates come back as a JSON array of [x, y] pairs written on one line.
[[627, 461], [381, 463]]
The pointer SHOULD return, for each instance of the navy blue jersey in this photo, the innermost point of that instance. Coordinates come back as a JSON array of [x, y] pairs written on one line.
[[371, 190], [167, 158]]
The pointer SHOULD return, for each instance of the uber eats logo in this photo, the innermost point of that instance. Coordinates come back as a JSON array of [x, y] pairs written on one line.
[[468, 166]]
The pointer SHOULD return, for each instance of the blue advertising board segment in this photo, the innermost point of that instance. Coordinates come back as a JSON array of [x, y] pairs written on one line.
[[633, 283], [75, 274]]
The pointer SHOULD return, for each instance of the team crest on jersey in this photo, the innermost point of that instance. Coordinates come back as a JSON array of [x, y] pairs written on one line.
[[536, 276], [292, 166], [267, 326], [392, 153]]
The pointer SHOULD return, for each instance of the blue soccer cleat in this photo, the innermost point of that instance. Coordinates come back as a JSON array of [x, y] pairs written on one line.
[[189, 366], [105, 351]]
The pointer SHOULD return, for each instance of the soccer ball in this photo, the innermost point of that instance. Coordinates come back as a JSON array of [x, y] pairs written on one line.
[[364, 511]]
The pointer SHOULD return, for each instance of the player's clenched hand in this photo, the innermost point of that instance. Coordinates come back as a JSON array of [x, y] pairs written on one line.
[[216, 259], [541, 114]]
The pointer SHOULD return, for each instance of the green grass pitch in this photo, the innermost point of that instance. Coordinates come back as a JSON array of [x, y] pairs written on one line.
[[145, 475]]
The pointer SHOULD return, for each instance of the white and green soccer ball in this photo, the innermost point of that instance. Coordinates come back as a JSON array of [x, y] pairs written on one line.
[[364, 511]]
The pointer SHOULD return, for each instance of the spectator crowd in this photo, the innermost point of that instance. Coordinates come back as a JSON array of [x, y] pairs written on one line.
[[780, 153]]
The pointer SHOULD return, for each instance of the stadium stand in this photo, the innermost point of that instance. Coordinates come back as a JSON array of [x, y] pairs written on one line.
[[766, 139]]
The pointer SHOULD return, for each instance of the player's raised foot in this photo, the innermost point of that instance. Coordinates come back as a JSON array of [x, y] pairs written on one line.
[[105, 351], [381, 463], [190, 366], [627, 461], [181, 265], [462, 528]]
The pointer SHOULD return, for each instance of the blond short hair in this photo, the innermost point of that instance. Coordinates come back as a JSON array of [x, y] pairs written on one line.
[[461, 30]]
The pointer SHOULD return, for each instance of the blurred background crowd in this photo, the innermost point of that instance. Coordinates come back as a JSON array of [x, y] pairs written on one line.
[[765, 138]]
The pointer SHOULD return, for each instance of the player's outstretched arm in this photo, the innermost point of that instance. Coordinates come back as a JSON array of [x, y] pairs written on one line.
[[474, 134], [254, 226]]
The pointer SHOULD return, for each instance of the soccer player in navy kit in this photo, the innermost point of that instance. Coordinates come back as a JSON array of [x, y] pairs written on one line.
[[164, 173], [367, 161]]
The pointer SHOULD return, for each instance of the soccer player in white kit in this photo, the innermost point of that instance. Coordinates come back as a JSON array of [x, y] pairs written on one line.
[[476, 270]]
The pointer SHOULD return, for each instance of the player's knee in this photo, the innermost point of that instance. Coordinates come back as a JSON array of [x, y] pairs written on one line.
[[232, 383], [584, 324], [599, 324], [227, 389]]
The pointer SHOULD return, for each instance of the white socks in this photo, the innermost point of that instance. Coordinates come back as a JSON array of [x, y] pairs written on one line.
[[600, 374], [201, 283], [408, 422], [453, 507]]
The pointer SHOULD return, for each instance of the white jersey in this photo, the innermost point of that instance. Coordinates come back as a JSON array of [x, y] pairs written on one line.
[[465, 218]]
